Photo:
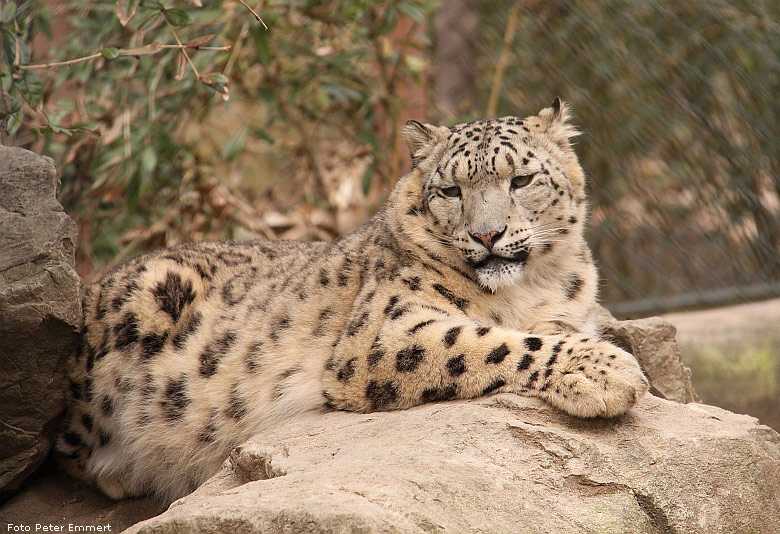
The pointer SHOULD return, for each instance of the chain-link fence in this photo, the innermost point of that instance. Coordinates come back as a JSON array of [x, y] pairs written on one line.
[[678, 102]]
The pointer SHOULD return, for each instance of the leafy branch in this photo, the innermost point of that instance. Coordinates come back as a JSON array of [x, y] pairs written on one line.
[[254, 13], [161, 167], [20, 82], [111, 52]]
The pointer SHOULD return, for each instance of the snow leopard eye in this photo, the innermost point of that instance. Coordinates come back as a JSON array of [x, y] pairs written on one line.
[[522, 181], [453, 191]]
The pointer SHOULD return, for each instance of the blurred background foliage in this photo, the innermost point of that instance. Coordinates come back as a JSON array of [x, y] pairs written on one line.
[[175, 120], [287, 127], [285, 132], [679, 105]]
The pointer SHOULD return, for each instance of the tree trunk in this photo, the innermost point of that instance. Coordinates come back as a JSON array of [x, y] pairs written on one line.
[[456, 69]]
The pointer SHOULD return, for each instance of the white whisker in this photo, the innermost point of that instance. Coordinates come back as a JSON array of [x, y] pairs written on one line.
[[442, 239]]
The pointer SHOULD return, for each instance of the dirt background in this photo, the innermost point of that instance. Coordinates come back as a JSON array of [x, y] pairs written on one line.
[[51, 497], [734, 355]]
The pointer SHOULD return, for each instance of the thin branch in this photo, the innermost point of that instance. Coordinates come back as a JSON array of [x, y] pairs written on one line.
[[127, 143], [58, 64], [183, 48], [503, 59], [237, 48], [253, 12], [148, 50], [219, 48], [16, 41], [48, 126]]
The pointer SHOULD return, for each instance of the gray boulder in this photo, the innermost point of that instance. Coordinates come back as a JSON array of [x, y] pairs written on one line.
[[40, 310], [499, 464]]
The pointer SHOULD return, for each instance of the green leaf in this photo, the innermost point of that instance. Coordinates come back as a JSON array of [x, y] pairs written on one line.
[[41, 22], [150, 22], [367, 136], [200, 41], [24, 54], [388, 23], [9, 12], [134, 184], [14, 105], [268, 95], [31, 88], [110, 52], [162, 140], [65, 105], [8, 45], [415, 64], [264, 135], [218, 77], [5, 80], [365, 180], [178, 17], [148, 159], [148, 50], [58, 129], [262, 46], [218, 87], [234, 146], [413, 11], [153, 4], [341, 93]]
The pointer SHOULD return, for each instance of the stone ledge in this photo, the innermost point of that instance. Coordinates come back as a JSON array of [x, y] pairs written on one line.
[[498, 464]]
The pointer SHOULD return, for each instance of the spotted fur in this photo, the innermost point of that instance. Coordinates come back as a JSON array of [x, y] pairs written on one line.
[[474, 279]]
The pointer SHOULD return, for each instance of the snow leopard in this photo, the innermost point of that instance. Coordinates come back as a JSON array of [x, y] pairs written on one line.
[[474, 278]]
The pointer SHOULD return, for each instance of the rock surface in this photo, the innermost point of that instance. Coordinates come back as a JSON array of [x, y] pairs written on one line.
[[40, 310], [498, 464], [653, 343]]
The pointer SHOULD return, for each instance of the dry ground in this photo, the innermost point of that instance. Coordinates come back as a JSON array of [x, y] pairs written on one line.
[[734, 354]]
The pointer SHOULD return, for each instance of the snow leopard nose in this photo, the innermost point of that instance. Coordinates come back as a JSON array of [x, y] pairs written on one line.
[[488, 239]]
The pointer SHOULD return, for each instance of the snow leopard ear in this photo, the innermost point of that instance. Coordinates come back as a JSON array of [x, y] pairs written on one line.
[[553, 122], [419, 138]]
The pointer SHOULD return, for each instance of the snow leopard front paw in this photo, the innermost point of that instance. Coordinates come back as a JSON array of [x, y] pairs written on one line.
[[595, 379]]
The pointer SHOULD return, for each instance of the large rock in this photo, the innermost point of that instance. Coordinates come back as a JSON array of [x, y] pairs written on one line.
[[499, 464], [653, 342], [40, 310]]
